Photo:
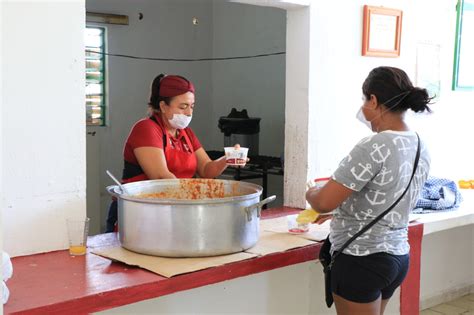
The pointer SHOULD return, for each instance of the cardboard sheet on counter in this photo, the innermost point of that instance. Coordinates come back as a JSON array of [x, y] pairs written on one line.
[[317, 232], [271, 242], [169, 267], [268, 243]]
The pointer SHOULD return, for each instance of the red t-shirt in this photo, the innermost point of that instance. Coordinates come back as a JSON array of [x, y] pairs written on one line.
[[147, 133]]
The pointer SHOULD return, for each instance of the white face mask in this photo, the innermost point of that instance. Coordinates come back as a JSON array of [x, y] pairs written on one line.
[[360, 116], [180, 121]]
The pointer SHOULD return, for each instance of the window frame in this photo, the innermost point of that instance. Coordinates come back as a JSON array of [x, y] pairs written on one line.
[[104, 59], [461, 7]]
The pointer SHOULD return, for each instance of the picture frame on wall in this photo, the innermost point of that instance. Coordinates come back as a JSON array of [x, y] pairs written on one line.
[[381, 32], [463, 74]]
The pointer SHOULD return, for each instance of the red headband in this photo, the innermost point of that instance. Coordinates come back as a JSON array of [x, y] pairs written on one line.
[[173, 85]]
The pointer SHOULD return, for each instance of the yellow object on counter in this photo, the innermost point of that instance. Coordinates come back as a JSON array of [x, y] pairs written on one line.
[[307, 216], [466, 184]]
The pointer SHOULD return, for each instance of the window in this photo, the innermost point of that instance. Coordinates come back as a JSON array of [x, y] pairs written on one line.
[[95, 76], [463, 74]]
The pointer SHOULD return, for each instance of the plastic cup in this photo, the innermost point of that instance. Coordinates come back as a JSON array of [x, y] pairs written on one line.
[[320, 182], [294, 227], [77, 230], [236, 155]]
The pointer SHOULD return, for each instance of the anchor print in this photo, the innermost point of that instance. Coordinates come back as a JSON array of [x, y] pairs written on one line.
[[348, 158], [403, 140], [422, 170], [405, 171], [398, 193], [352, 207], [377, 155], [364, 236], [365, 169], [394, 217], [365, 140], [386, 246], [365, 215], [357, 251], [374, 201], [380, 178]]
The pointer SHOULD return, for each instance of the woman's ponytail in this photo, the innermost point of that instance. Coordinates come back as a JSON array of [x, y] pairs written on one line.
[[417, 100], [155, 93]]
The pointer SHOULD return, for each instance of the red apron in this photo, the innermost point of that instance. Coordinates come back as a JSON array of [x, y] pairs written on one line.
[[182, 164]]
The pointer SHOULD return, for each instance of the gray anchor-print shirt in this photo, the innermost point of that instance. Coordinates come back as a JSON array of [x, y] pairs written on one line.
[[378, 170]]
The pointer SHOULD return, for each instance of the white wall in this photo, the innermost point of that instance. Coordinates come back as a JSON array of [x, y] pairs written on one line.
[[1, 132], [447, 266], [296, 289], [337, 71], [43, 129]]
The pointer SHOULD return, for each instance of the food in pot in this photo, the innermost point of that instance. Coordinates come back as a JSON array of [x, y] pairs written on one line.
[[194, 189]]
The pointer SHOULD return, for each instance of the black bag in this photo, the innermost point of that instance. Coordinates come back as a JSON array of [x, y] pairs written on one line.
[[325, 252], [325, 259]]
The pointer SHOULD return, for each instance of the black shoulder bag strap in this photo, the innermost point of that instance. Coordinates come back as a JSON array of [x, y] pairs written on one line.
[[380, 216]]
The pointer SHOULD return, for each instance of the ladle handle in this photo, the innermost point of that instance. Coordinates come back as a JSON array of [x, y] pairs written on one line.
[[116, 181]]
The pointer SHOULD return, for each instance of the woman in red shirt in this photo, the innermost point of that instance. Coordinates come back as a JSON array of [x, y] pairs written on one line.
[[163, 146]]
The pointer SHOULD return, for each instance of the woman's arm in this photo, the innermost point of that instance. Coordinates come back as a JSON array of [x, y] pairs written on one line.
[[153, 162], [328, 197], [208, 168]]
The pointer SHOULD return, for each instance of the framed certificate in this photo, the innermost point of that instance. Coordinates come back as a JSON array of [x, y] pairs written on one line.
[[382, 32]]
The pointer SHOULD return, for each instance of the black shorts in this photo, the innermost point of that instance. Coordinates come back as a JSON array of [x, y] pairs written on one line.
[[363, 279]]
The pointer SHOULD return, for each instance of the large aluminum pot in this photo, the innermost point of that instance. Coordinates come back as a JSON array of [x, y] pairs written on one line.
[[175, 227]]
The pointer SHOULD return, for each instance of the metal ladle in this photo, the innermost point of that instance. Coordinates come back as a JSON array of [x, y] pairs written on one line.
[[122, 188]]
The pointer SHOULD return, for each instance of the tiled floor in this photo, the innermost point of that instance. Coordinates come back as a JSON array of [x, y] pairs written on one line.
[[463, 305]]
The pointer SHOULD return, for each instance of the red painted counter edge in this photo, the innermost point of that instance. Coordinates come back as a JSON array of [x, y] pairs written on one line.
[[124, 296]]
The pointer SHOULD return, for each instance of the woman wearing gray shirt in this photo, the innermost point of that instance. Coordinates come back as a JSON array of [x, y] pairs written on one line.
[[366, 183]]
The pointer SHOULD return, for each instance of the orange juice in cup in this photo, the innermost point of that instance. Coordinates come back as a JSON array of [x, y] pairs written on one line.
[[77, 230]]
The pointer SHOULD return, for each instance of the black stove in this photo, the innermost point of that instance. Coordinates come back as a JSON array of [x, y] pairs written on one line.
[[259, 166]]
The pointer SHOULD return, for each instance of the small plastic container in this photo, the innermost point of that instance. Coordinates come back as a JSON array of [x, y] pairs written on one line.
[[320, 182], [236, 155], [295, 227]]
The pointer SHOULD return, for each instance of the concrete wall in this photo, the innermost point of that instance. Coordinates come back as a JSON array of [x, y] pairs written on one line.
[[167, 31], [297, 289], [447, 266], [43, 132], [257, 84]]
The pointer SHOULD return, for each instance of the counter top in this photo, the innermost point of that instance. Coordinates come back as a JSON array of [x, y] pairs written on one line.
[[57, 283]]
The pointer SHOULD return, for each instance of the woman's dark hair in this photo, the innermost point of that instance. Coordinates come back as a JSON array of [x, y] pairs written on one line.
[[155, 97], [393, 88]]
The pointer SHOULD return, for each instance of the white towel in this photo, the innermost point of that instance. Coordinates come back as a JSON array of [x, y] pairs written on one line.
[[5, 293], [7, 272], [7, 268]]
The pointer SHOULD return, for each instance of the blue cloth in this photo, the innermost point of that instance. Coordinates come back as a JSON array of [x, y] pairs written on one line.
[[438, 194]]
